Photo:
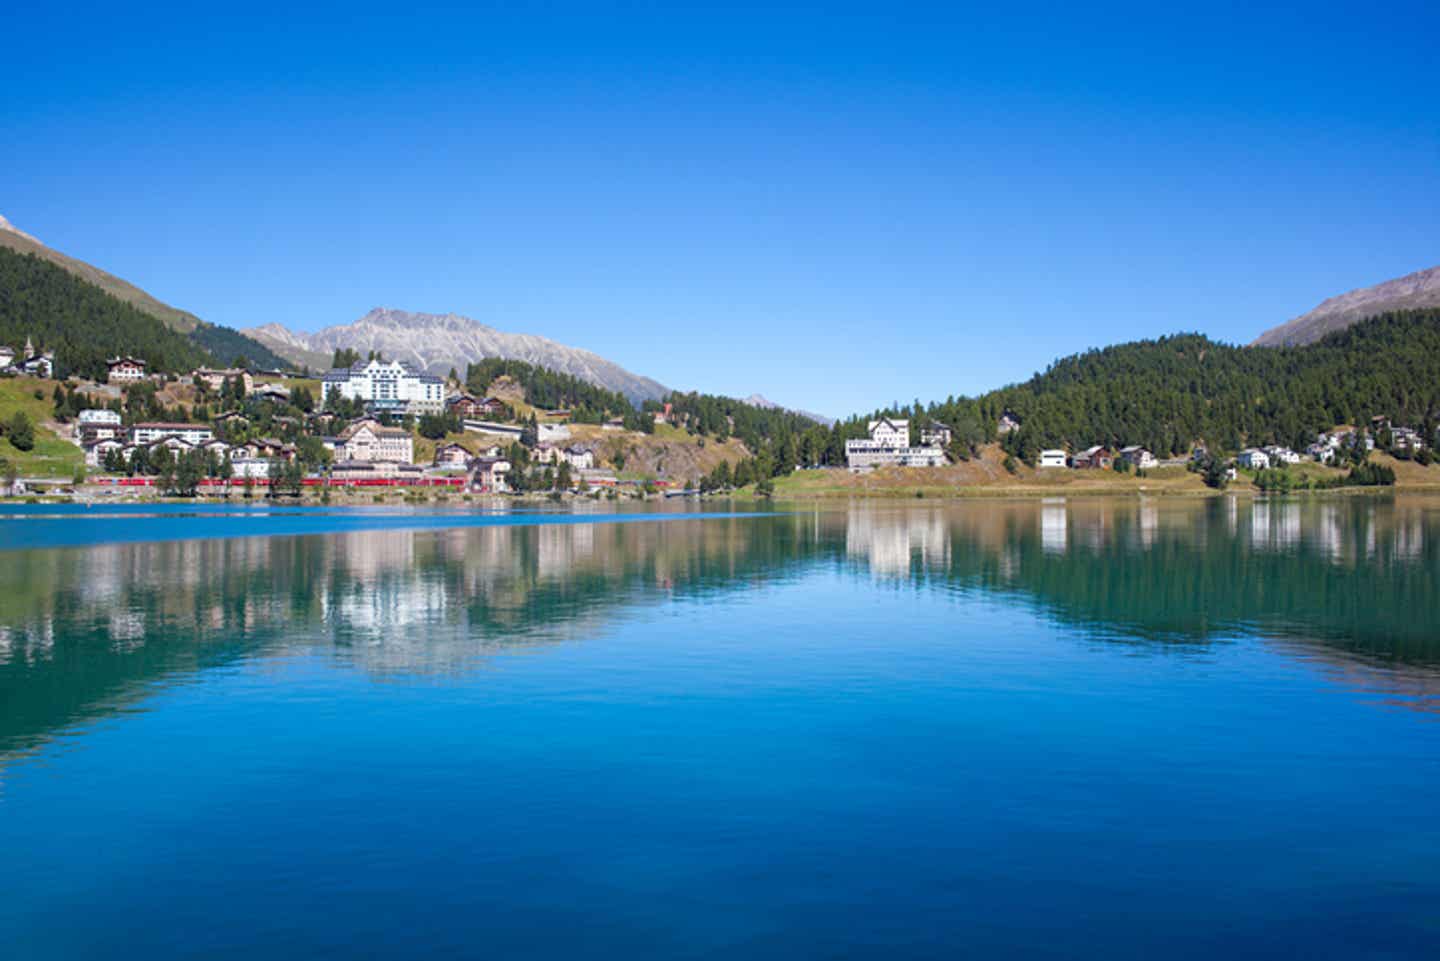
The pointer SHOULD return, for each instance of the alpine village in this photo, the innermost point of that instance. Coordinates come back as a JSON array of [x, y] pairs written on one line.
[[104, 393]]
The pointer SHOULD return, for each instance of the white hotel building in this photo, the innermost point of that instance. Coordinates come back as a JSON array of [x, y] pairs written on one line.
[[386, 387], [889, 446]]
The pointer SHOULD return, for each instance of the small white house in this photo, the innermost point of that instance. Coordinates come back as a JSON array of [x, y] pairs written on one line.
[[1282, 455], [1254, 459], [256, 467], [1137, 456], [1052, 458]]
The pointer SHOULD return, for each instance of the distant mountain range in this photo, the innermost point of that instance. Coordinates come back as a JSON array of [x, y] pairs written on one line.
[[438, 342], [765, 403], [1413, 291], [222, 343]]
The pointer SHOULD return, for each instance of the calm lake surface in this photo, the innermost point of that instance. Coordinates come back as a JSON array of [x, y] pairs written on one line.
[[1108, 729]]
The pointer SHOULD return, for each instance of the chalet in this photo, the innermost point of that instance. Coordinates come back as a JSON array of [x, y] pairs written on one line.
[[1282, 455], [272, 448], [1322, 452], [935, 434], [662, 416], [1051, 458], [1254, 459], [490, 475], [466, 406], [98, 451], [7, 357], [278, 393], [231, 417], [124, 370], [580, 458], [1098, 457], [214, 378], [174, 444], [40, 365], [192, 434], [614, 423], [1137, 456], [1406, 440], [451, 455], [1008, 422]]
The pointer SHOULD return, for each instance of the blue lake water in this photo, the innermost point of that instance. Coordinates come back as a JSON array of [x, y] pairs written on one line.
[[1089, 729]]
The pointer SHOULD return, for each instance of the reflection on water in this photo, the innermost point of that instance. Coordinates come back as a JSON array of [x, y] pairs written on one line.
[[1346, 583]]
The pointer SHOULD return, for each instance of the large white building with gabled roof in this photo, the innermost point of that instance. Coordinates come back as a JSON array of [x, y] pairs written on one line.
[[889, 446]]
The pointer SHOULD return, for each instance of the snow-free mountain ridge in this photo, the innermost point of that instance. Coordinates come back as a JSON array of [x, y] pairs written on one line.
[[439, 342], [1411, 292]]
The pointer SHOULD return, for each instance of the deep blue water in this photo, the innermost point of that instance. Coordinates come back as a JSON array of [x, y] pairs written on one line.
[[1098, 729]]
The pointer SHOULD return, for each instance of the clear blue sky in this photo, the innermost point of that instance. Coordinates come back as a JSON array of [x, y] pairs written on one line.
[[835, 206]]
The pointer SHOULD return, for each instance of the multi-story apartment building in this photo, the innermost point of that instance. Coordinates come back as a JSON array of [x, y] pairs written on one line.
[[386, 387], [367, 440], [192, 434]]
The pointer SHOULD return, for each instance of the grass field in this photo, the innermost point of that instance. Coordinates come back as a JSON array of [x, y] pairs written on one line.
[[52, 456]]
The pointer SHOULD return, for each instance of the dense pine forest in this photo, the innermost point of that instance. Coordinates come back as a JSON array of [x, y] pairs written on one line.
[[1169, 393]]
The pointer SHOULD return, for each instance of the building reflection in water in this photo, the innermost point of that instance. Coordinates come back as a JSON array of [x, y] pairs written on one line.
[[1350, 580]]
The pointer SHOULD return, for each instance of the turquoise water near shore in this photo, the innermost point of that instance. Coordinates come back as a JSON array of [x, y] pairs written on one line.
[[1059, 729]]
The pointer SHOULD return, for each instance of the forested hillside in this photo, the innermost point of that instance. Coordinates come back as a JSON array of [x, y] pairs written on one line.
[[549, 389], [81, 323], [229, 346], [1168, 393]]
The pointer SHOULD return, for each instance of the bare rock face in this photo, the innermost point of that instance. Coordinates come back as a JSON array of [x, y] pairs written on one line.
[[438, 342], [8, 227], [1411, 292]]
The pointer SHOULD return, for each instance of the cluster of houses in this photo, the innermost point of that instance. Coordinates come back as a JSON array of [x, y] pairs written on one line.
[[889, 446], [366, 448], [1098, 457], [100, 434], [30, 361]]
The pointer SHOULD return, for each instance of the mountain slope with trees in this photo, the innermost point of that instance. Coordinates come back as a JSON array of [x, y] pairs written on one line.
[[1168, 393], [82, 323], [224, 343]]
